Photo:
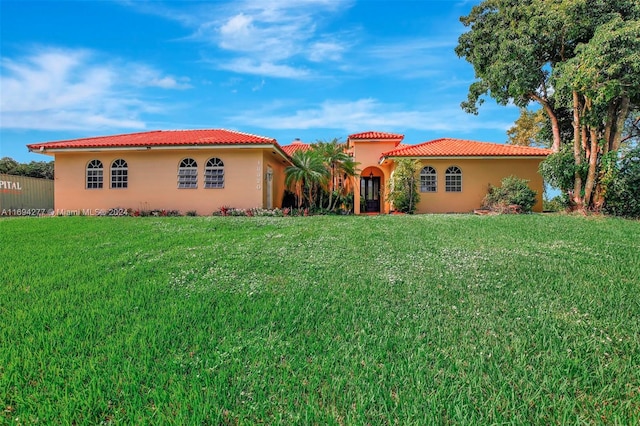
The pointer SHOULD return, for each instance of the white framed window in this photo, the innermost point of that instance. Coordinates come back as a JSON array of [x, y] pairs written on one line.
[[94, 175], [214, 173], [453, 179], [119, 174], [428, 179], [188, 173]]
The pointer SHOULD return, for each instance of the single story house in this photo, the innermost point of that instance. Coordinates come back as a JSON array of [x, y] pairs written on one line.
[[455, 174], [203, 170]]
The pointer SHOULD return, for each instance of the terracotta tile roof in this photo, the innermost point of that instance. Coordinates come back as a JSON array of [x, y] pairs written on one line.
[[448, 147], [376, 135], [159, 138], [296, 145]]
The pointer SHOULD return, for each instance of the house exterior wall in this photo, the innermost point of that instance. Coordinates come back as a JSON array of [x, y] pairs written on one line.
[[367, 153], [477, 175], [153, 181], [273, 161]]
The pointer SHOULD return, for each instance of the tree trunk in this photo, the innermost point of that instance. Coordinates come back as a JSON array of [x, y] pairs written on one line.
[[593, 163], [331, 186], [577, 157], [609, 125], [555, 127], [616, 134]]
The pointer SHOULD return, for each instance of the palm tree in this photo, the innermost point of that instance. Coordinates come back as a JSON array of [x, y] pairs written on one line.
[[306, 172], [340, 167], [348, 170]]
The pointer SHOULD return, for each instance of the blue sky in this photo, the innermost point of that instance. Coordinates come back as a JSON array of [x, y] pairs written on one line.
[[309, 69]]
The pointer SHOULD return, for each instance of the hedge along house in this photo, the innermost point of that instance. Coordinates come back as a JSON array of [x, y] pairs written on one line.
[[455, 174], [184, 170]]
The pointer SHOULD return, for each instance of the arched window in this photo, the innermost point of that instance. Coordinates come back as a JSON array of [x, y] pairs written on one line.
[[428, 179], [453, 179], [214, 173], [119, 174], [188, 173], [95, 173]]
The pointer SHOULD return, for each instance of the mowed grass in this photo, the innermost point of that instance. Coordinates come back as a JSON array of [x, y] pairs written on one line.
[[447, 319]]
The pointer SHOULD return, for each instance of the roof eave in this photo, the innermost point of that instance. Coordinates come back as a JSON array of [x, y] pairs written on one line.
[[154, 147], [462, 157], [396, 140]]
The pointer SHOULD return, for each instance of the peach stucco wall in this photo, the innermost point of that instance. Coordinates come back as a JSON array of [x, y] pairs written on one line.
[[367, 154], [477, 175], [274, 161], [152, 180]]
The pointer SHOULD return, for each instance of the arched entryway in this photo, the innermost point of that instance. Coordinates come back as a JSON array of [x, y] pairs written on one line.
[[371, 190]]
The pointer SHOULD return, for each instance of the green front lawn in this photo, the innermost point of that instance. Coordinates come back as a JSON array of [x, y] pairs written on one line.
[[449, 319]]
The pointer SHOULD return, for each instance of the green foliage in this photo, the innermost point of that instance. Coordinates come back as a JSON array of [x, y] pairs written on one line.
[[516, 47], [7, 165], [341, 169], [307, 173], [623, 195], [606, 67], [558, 169], [321, 179], [403, 186], [556, 204], [319, 320], [36, 169], [513, 191], [573, 57]]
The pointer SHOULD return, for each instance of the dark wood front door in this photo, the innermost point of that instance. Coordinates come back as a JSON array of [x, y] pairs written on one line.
[[370, 191]]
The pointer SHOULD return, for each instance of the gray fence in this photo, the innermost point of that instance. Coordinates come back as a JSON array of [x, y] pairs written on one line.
[[25, 196]]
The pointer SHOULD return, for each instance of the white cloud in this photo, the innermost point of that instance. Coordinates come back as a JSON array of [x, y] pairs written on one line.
[[369, 113], [404, 58], [261, 37], [326, 50], [265, 69], [144, 76], [293, 40], [60, 89]]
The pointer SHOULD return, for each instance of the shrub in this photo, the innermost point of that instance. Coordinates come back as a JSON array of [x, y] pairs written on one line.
[[623, 194], [512, 192], [556, 204], [403, 186]]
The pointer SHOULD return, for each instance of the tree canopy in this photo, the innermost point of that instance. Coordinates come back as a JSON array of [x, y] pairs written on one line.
[[575, 57], [37, 169], [528, 129], [324, 172]]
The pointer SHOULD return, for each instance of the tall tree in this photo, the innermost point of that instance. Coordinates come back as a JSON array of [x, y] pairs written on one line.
[[582, 55]]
